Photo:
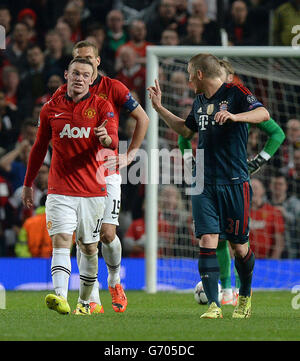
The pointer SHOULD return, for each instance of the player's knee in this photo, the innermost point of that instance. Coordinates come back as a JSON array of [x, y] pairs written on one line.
[[241, 250], [209, 240], [108, 233], [89, 249]]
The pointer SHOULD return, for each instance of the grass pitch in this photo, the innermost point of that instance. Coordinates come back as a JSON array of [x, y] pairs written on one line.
[[164, 316]]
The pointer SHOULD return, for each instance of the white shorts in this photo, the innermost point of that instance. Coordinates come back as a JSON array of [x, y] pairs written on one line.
[[66, 214], [113, 199]]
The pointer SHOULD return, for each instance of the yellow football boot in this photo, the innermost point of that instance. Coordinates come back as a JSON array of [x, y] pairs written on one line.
[[213, 312], [83, 309], [243, 307], [58, 304]]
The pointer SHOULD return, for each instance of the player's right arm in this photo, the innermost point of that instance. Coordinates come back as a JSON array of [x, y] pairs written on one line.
[[37, 156], [174, 122]]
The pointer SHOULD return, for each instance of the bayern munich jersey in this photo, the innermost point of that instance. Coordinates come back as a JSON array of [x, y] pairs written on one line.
[[76, 166], [225, 146]]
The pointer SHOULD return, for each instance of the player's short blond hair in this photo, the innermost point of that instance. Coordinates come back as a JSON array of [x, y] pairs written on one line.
[[81, 61], [208, 64], [227, 66], [85, 44]]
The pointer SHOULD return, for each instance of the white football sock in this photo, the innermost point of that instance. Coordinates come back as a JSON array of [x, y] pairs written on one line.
[[88, 270], [61, 270], [112, 253], [95, 296]]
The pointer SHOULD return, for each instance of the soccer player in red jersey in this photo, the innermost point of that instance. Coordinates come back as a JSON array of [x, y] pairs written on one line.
[[80, 126], [120, 98]]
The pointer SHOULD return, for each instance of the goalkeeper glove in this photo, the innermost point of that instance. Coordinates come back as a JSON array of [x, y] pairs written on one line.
[[255, 163]]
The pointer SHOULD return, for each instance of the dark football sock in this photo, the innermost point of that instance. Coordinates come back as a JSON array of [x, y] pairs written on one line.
[[210, 273], [244, 267]]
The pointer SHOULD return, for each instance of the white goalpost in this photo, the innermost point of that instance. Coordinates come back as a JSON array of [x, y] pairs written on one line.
[[266, 70]]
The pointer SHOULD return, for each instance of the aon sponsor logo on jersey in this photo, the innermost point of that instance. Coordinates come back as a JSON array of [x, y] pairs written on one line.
[[75, 132]]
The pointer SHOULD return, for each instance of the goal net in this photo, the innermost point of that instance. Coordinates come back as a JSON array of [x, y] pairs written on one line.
[[273, 76]]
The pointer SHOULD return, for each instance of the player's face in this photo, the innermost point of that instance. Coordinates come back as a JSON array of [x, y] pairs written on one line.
[[79, 77], [194, 81], [88, 53]]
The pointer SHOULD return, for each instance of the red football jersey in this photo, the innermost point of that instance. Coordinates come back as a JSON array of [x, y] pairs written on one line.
[[110, 89], [265, 222], [76, 159]]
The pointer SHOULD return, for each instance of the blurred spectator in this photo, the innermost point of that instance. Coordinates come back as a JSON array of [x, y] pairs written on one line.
[[238, 26], [36, 111], [294, 175], [266, 225], [290, 209], [136, 9], [286, 16], [40, 187], [65, 32], [291, 143], [116, 34], [181, 15], [137, 36], [17, 47], [72, 16], [54, 55], [4, 220], [34, 82], [54, 82], [28, 16], [33, 238], [134, 241], [194, 32], [172, 210], [169, 37], [98, 32], [11, 81], [14, 163], [132, 74], [211, 29], [5, 20], [253, 142], [10, 125], [85, 12], [28, 131], [165, 18]]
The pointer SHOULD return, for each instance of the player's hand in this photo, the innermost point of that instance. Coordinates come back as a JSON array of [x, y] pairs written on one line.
[[155, 95], [255, 164], [223, 116], [102, 135], [27, 197], [117, 162]]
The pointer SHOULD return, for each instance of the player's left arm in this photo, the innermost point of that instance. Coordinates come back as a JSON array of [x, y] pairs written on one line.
[[276, 137], [254, 116], [249, 109]]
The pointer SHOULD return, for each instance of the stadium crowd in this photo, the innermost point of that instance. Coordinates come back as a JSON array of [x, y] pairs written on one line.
[[39, 39]]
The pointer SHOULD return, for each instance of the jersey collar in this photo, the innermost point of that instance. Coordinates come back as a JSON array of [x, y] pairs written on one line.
[[217, 93], [97, 80], [87, 95]]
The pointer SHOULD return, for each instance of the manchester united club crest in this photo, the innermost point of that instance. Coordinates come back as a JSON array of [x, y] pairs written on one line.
[[102, 95], [90, 113], [223, 105]]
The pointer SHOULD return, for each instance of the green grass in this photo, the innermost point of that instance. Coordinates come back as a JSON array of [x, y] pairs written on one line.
[[160, 317]]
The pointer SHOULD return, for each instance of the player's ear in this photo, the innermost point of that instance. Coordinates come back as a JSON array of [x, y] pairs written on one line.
[[98, 60], [199, 74], [66, 74]]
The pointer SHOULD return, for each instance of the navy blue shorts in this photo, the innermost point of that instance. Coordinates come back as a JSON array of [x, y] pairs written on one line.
[[223, 209]]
